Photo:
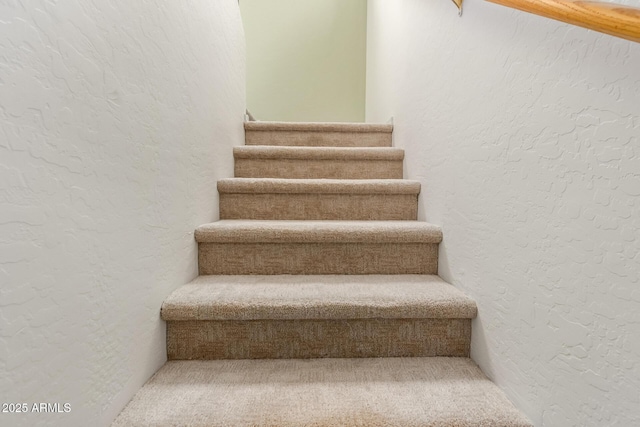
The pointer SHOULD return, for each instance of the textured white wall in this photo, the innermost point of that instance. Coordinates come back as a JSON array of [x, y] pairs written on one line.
[[306, 59], [634, 3], [116, 119], [525, 134]]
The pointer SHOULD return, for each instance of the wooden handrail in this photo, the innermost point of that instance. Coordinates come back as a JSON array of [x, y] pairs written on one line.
[[609, 18]]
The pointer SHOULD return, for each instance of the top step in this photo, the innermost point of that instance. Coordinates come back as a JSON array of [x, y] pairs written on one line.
[[318, 134]]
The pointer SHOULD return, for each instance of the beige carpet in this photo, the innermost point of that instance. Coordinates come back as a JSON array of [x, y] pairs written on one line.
[[255, 161], [317, 153], [322, 274], [249, 231], [323, 186], [237, 317], [318, 199], [318, 134], [318, 247], [318, 258], [317, 338], [322, 127], [407, 392], [319, 206], [317, 297]]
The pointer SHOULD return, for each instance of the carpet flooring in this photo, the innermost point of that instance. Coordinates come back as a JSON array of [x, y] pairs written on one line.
[[407, 392]]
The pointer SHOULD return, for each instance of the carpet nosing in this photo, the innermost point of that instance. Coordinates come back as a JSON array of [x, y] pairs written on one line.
[[319, 127], [317, 296], [318, 231], [271, 152], [318, 186]]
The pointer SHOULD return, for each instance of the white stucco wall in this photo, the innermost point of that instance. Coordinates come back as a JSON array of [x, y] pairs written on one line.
[[525, 134], [116, 119]]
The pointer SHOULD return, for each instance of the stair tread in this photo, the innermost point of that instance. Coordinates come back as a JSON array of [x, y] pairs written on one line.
[[324, 186], [317, 153], [319, 127], [317, 231], [415, 391], [317, 297]]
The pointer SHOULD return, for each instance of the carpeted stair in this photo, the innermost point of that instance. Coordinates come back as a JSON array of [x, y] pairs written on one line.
[[249, 317], [318, 134], [320, 289], [318, 162], [312, 199], [318, 247]]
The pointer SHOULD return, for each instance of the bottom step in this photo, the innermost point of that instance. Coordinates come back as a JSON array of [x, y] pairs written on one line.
[[430, 391]]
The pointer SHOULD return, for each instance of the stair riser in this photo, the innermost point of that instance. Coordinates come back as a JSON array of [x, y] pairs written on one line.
[[319, 169], [277, 339], [318, 258], [319, 206], [318, 139]]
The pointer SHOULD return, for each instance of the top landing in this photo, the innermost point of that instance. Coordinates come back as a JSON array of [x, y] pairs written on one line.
[[318, 134]]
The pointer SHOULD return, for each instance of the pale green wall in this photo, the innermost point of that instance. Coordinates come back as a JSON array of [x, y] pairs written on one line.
[[306, 59]]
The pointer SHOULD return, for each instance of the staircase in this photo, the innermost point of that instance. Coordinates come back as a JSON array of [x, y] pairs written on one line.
[[318, 301]]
